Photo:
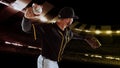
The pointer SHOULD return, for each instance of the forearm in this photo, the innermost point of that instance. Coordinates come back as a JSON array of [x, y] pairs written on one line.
[[26, 25]]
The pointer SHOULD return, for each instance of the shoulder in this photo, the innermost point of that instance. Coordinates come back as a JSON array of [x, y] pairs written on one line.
[[69, 31], [44, 25]]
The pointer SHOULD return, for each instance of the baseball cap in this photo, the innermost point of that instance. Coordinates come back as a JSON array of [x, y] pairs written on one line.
[[67, 12]]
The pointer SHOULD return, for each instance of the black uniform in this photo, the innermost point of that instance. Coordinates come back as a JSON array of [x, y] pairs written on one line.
[[52, 39]]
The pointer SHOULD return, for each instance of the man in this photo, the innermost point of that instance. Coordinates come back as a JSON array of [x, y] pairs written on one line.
[[53, 37]]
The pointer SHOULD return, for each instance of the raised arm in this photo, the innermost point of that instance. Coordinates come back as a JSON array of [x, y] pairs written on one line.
[[31, 15]]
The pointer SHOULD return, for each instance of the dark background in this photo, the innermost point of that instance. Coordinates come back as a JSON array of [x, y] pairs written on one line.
[[93, 12], [89, 12]]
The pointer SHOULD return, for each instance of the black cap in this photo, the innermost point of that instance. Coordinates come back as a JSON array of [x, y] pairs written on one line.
[[67, 12]]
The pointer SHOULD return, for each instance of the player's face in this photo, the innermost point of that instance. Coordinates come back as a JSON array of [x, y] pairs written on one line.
[[70, 20]]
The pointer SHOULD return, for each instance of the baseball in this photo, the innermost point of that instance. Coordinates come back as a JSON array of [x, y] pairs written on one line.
[[37, 9]]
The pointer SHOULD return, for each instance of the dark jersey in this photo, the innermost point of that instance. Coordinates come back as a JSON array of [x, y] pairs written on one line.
[[52, 39]]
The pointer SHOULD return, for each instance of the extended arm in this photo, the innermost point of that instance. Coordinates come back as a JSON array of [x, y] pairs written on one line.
[[90, 39]]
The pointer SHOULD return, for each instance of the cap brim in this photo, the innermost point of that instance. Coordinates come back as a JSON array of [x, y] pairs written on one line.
[[75, 17]]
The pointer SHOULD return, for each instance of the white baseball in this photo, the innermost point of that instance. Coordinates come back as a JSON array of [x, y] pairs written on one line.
[[37, 9]]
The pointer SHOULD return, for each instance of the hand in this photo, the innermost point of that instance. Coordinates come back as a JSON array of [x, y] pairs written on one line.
[[33, 12], [93, 42], [29, 14]]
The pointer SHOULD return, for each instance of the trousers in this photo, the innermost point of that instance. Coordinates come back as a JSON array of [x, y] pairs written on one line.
[[43, 62]]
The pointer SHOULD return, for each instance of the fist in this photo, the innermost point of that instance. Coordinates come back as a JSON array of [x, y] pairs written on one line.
[[33, 12]]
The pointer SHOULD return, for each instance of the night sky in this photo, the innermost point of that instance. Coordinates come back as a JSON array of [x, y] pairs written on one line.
[[93, 12]]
